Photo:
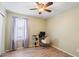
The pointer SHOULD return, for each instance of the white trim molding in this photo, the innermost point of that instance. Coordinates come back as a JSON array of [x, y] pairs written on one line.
[[63, 50]]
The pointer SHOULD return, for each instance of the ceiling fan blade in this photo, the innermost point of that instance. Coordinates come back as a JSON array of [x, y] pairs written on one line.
[[37, 3], [33, 9], [49, 3], [48, 10]]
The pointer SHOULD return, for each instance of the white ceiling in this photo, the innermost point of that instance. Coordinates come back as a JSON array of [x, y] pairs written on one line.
[[23, 8]]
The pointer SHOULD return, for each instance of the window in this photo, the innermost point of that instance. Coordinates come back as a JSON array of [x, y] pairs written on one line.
[[20, 29]]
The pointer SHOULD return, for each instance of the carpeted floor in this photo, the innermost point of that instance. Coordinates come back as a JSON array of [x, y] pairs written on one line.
[[36, 52]]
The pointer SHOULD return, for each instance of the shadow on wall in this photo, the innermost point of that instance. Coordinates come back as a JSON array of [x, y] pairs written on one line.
[[55, 42]]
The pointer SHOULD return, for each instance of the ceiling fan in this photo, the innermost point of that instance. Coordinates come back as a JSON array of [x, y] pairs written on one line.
[[42, 7]]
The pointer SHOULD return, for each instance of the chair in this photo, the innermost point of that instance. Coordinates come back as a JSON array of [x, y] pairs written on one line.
[[45, 42]]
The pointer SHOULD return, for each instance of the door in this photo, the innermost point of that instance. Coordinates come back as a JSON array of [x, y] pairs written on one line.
[[1, 33]]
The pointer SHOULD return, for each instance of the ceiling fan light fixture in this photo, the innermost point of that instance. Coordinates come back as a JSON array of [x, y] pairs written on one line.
[[41, 10], [41, 7]]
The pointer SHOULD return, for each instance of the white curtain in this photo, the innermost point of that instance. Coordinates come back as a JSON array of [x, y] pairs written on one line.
[[19, 32]]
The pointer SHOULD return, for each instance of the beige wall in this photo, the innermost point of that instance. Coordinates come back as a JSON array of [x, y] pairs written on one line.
[[35, 25], [63, 30]]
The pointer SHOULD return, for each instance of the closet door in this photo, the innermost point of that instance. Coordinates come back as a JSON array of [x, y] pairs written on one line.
[[1, 35]]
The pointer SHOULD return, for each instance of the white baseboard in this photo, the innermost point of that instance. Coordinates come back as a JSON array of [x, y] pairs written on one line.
[[64, 51], [7, 50], [20, 48]]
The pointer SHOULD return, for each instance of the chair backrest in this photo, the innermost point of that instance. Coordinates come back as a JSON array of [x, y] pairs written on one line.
[[46, 40]]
